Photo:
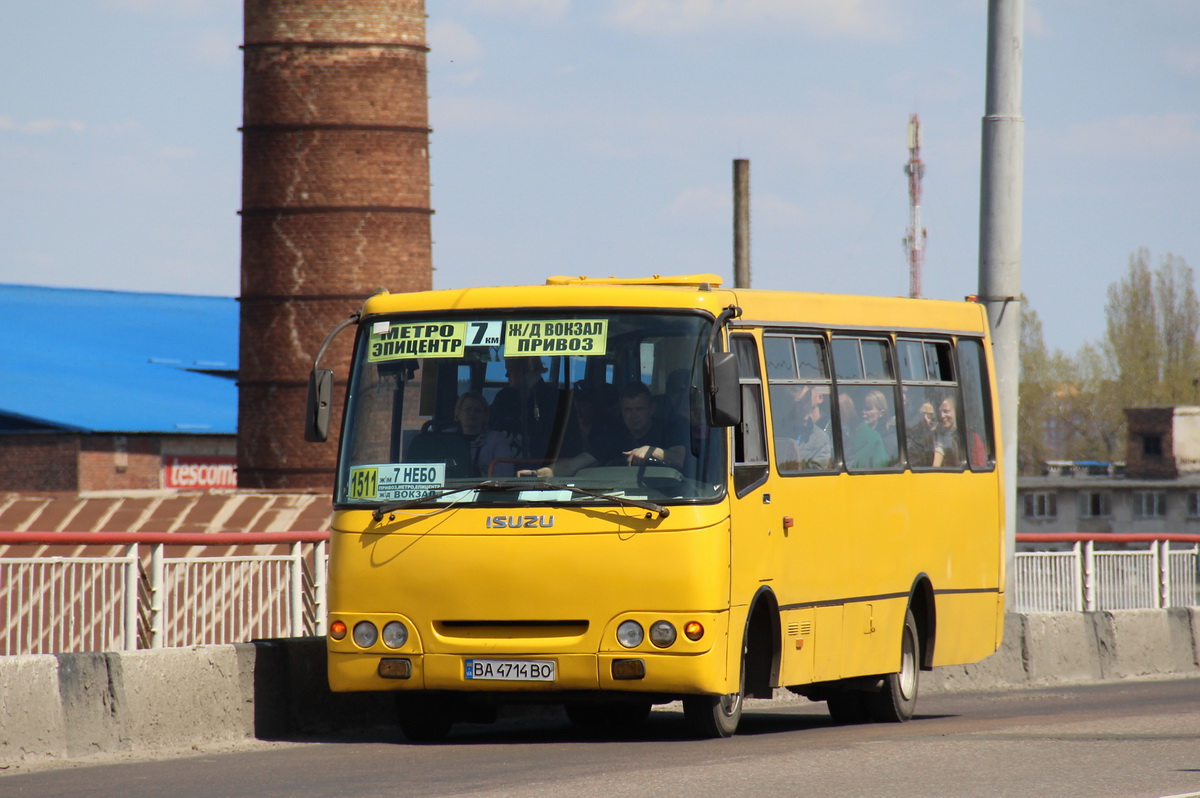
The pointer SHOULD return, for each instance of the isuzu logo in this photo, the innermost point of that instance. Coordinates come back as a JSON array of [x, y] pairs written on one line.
[[519, 521]]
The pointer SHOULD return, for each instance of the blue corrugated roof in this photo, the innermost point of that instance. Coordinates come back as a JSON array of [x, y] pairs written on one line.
[[113, 361]]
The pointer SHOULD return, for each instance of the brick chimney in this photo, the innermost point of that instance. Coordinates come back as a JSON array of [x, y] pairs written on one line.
[[335, 204]]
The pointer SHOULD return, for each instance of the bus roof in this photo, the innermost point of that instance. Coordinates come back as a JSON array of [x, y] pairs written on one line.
[[699, 292]]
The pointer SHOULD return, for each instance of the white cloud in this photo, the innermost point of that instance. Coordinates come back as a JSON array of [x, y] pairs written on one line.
[[542, 11], [35, 127], [858, 19], [450, 41], [1161, 136], [177, 153], [215, 47], [1184, 62], [1035, 20], [177, 8]]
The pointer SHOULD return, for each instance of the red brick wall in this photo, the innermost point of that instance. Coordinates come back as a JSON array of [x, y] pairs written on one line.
[[120, 462], [335, 204], [45, 462], [67, 462], [1150, 421]]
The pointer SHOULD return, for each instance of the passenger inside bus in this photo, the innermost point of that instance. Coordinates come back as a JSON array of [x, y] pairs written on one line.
[[946, 444], [490, 451], [814, 449], [525, 408], [862, 446], [642, 439], [919, 434], [875, 413]]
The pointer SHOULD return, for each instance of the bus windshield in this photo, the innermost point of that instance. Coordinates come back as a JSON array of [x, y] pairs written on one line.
[[581, 406]]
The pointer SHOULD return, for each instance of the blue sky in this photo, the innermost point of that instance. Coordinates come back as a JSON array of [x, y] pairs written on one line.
[[597, 137]]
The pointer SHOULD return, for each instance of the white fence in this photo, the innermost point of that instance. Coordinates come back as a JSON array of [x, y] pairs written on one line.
[[1084, 579], [55, 604]]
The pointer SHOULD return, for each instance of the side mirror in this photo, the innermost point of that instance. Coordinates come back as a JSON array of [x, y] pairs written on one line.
[[319, 410], [724, 390]]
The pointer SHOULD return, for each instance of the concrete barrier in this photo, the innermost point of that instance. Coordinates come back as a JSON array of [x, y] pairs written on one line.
[[79, 706]]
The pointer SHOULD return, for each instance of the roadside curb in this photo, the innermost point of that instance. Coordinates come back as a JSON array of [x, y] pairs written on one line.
[[80, 706]]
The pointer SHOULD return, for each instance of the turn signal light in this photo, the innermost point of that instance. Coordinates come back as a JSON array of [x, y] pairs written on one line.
[[628, 669], [693, 630], [337, 630]]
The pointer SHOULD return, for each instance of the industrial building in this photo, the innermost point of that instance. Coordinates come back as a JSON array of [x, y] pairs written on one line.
[[110, 390]]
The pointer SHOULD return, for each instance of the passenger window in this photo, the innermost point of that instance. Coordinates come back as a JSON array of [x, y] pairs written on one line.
[[876, 363], [800, 409], [866, 398], [912, 361], [810, 357], [750, 467], [847, 363], [781, 360], [933, 438], [976, 395]]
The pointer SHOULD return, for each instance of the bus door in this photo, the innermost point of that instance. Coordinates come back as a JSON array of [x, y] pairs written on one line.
[[808, 498], [757, 532]]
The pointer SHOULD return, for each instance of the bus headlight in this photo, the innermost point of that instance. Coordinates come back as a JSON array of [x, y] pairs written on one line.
[[630, 634], [395, 634], [365, 634], [662, 633]]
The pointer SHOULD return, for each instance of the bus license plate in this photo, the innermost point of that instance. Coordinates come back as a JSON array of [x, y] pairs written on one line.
[[511, 670]]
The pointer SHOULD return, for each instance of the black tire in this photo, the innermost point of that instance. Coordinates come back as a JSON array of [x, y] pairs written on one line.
[[848, 707], [423, 718], [714, 716], [897, 700], [609, 717]]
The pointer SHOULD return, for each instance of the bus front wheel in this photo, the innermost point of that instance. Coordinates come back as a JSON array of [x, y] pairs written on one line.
[[713, 715], [716, 715], [898, 698]]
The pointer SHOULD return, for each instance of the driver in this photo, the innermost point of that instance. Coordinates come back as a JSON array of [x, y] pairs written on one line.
[[642, 440]]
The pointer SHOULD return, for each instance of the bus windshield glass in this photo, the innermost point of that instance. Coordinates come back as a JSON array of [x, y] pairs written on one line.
[[573, 406]]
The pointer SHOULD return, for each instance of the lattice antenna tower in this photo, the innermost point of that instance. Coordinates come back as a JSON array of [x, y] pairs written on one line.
[[914, 239]]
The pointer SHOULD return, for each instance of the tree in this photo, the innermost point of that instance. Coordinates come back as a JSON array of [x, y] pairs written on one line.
[[1033, 394], [1073, 407], [1153, 319], [1179, 311]]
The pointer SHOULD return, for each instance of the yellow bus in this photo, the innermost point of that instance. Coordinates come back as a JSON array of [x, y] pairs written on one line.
[[615, 493]]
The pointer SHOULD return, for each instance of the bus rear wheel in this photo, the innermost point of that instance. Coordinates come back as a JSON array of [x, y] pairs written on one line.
[[897, 700]]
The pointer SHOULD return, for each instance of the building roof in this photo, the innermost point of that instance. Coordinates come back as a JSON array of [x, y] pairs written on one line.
[[111, 361]]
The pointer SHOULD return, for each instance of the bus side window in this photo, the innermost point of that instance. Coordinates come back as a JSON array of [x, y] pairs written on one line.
[[981, 447], [750, 466], [799, 387]]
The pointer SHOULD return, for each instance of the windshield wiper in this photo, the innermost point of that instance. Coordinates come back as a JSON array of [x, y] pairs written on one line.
[[663, 512], [492, 484], [384, 509]]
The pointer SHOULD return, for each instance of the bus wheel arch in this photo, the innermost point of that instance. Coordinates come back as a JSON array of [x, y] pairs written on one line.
[[921, 604], [758, 666], [762, 645]]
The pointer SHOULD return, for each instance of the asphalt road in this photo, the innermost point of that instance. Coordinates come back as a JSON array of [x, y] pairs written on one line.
[[1127, 740]]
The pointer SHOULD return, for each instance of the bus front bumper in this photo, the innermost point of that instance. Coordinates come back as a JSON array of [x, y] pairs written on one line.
[[633, 672]]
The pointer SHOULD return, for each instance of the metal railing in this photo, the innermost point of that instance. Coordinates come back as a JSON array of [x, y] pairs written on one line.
[[55, 604], [142, 598], [1089, 578]]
